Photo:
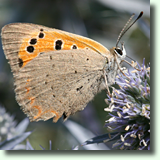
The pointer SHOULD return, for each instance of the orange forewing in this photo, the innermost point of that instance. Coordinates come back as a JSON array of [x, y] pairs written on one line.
[[47, 43]]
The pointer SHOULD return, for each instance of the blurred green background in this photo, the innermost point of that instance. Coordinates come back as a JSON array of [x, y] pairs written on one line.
[[101, 20]]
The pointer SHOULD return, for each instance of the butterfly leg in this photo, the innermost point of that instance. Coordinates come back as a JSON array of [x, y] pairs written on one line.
[[132, 64], [120, 68], [106, 84]]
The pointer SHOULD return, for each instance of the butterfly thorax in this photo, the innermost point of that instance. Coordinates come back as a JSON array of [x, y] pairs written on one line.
[[113, 63]]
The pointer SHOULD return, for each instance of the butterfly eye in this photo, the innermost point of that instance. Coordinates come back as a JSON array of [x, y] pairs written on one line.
[[121, 52], [118, 51]]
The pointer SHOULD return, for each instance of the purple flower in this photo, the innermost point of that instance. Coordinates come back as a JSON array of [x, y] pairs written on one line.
[[129, 108]]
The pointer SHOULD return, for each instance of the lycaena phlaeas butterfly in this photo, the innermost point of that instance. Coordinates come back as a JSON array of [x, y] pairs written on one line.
[[55, 72]]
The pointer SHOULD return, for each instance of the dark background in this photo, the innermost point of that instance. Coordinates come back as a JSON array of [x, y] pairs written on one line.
[[101, 20]]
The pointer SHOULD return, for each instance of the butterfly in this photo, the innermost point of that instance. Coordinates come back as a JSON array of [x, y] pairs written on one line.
[[57, 73]]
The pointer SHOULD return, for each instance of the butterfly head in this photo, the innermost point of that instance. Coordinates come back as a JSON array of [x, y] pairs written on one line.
[[120, 52]]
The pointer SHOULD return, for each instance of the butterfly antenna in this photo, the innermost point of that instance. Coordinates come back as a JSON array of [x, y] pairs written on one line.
[[124, 30], [130, 58]]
